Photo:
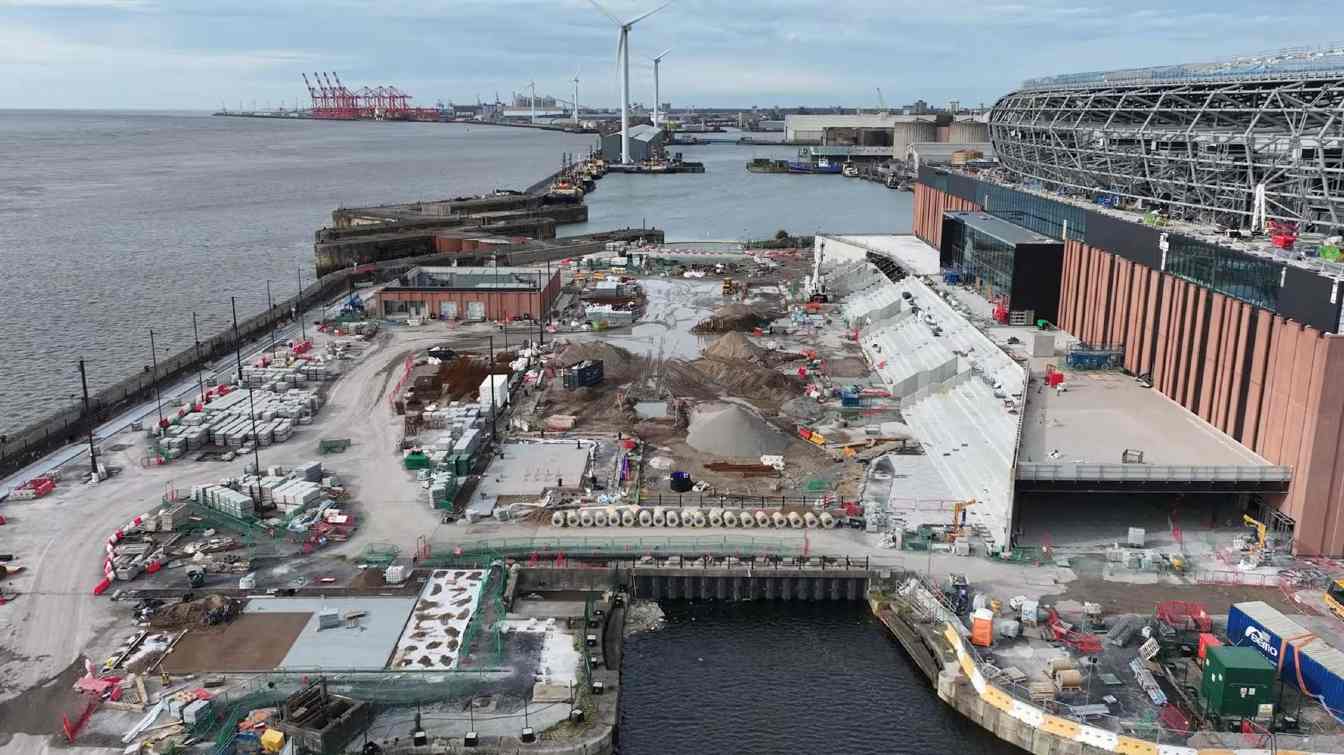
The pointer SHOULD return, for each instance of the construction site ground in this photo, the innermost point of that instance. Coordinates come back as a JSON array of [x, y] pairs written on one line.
[[251, 642], [55, 619]]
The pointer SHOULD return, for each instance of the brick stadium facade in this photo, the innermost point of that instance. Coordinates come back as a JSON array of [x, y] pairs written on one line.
[[1253, 348]]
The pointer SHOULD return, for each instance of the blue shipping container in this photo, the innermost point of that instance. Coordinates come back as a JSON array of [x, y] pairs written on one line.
[[1304, 660]]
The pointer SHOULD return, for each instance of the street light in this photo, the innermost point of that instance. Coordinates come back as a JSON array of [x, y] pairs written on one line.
[[251, 409], [154, 355], [88, 417], [301, 313]]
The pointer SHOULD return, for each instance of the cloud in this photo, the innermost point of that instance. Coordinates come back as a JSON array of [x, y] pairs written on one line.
[[192, 54]]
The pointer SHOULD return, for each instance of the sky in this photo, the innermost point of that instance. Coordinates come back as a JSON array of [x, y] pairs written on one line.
[[185, 54]]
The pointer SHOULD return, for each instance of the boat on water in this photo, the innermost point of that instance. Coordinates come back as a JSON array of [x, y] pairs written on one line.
[[766, 165], [820, 165], [850, 170], [563, 190]]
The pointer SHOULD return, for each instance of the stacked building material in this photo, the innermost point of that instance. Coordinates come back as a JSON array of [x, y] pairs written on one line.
[[224, 500], [296, 495]]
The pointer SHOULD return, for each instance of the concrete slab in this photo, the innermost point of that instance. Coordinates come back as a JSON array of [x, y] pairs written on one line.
[[433, 638], [364, 643], [909, 252], [1066, 428], [527, 469]]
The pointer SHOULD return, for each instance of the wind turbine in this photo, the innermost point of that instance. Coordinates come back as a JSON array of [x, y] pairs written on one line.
[[657, 97], [576, 99], [623, 62]]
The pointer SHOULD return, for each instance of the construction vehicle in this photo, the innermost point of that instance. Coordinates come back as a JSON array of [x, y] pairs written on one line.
[[958, 593], [1334, 598], [958, 519], [1261, 533], [196, 576]]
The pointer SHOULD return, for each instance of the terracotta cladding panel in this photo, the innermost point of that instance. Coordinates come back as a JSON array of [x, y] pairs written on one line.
[[1186, 329], [1238, 388], [1151, 319], [1212, 357], [1119, 308], [1107, 294], [1080, 289], [1175, 333], [1298, 390], [1160, 333], [1137, 280], [1198, 344], [1249, 433], [1280, 385], [1099, 290], [1227, 367], [1067, 285], [1324, 480], [1315, 462]]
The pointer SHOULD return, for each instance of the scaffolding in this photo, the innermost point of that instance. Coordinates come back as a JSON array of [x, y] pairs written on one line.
[[1235, 145]]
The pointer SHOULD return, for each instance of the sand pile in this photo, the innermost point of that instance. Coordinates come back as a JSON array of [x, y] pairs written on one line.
[[735, 347], [731, 430], [617, 363], [749, 381], [737, 316]]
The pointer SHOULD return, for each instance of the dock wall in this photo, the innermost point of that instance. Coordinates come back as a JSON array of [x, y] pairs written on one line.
[[955, 673]]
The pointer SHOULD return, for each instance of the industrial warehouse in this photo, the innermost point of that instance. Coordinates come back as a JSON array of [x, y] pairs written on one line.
[[467, 293]]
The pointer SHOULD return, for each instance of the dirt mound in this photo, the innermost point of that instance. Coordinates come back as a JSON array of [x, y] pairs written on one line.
[[212, 609], [735, 347], [737, 316], [617, 363], [750, 381], [734, 431]]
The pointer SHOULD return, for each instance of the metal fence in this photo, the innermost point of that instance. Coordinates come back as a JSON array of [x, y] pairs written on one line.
[[1175, 473], [483, 552]]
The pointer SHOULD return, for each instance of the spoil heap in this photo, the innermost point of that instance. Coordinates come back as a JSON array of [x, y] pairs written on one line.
[[731, 430], [737, 316], [735, 347], [618, 365]]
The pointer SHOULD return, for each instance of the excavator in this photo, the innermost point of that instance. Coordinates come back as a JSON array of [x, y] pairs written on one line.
[[1261, 533], [958, 519]]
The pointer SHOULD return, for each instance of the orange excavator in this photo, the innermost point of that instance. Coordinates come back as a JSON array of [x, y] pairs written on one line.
[[958, 519]]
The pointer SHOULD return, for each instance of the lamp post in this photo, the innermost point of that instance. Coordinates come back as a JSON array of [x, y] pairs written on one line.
[[302, 312], [200, 366], [270, 316], [154, 357], [251, 409], [88, 417]]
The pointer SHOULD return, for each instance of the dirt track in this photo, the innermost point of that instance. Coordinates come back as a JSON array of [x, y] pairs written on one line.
[[252, 642]]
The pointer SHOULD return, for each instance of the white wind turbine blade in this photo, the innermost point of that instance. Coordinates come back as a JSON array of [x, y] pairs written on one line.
[[643, 16], [662, 55], [606, 12]]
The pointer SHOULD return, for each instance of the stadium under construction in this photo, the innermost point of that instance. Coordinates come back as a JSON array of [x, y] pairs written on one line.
[[1197, 208]]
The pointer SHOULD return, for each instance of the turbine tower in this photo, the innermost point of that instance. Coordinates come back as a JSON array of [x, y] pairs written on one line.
[[623, 63], [657, 96], [576, 99]]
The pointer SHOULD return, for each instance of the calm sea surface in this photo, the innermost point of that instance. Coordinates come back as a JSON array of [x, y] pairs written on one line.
[[782, 677], [112, 224]]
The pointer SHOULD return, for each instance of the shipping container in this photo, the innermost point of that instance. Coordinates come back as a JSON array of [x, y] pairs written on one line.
[[1304, 660]]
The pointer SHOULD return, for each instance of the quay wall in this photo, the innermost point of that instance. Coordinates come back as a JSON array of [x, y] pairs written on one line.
[[955, 673], [71, 424]]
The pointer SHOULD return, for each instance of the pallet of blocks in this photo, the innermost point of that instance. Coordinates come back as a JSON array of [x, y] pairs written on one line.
[[224, 500]]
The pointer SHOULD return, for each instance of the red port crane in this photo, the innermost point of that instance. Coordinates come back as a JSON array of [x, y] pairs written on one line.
[[333, 100]]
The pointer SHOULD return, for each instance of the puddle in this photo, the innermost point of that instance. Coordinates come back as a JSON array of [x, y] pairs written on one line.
[[651, 409], [673, 307]]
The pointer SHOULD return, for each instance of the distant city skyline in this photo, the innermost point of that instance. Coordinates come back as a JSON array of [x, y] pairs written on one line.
[[167, 54]]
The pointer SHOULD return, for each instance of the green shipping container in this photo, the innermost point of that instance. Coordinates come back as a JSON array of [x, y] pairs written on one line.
[[416, 460], [1237, 681]]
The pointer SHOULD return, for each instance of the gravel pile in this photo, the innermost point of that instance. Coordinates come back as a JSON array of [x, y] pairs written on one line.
[[731, 430], [735, 347]]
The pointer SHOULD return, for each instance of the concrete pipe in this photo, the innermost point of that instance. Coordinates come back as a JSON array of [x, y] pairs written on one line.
[[698, 518], [558, 519], [779, 520], [827, 521], [762, 519], [572, 518], [673, 518], [645, 518], [730, 519], [599, 517], [810, 520], [746, 519], [613, 517], [716, 517], [659, 517], [795, 520], [586, 518], [629, 517]]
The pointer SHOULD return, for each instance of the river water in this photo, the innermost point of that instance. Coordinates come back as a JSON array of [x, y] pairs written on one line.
[[782, 677], [113, 224]]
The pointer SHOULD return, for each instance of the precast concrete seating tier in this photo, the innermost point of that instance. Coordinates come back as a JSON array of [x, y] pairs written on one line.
[[844, 279], [969, 435], [872, 305], [907, 356]]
